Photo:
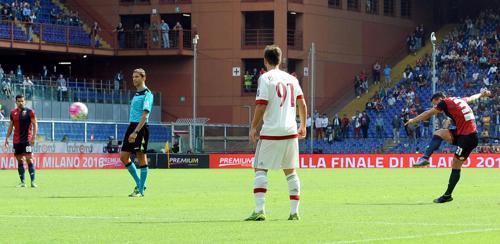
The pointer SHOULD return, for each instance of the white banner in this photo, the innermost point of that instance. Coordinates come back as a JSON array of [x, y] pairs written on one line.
[[61, 147]]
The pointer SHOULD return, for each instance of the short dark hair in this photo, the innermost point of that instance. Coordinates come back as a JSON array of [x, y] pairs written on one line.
[[19, 96], [438, 95], [272, 54]]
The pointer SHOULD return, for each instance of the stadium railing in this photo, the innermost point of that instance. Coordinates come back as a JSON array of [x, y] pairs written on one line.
[[75, 36], [252, 38]]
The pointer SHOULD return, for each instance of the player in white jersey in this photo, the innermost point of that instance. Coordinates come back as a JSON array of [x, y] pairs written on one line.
[[278, 95]]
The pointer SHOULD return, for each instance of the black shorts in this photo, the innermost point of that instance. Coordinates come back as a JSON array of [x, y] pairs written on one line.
[[465, 144], [141, 141], [23, 148]]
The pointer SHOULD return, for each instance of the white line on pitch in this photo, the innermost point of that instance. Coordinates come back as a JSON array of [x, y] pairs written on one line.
[[165, 219], [421, 236]]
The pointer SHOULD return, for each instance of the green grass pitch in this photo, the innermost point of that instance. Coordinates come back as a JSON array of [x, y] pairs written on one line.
[[208, 206]]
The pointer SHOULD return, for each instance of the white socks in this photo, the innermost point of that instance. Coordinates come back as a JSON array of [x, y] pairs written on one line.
[[294, 190], [259, 190]]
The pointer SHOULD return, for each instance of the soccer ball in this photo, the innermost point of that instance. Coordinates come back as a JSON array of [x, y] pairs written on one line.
[[78, 111]]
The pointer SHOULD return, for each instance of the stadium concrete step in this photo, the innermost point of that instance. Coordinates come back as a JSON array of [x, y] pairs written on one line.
[[85, 26], [358, 104]]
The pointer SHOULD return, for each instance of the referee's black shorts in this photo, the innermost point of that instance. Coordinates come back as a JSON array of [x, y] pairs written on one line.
[[141, 141]]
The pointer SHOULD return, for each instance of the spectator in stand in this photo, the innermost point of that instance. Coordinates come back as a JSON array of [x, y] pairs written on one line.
[[357, 86], [308, 125], [61, 88], [387, 74], [379, 126], [365, 124], [485, 136], [178, 26], [408, 74], [376, 72], [2, 73], [19, 74], [364, 81], [28, 87], [139, 36], [486, 121], [324, 124], [247, 79], [396, 126], [7, 87], [154, 30], [120, 34], [54, 15], [345, 126], [497, 123], [391, 101], [357, 124], [26, 12], [318, 128], [421, 32], [337, 126], [94, 31], [45, 73], [164, 34], [31, 22], [118, 80]]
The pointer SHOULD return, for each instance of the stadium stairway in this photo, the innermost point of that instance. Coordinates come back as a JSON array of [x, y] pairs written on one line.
[[85, 26], [397, 71]]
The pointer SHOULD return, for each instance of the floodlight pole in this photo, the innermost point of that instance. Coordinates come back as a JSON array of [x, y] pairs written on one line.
[[434, 77], [195, 54], [312, 87]]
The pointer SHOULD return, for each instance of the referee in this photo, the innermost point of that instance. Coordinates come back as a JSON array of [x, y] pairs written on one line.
[[137, 135]]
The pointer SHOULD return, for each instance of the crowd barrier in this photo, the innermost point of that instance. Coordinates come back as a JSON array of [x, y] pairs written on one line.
[[241, 161]]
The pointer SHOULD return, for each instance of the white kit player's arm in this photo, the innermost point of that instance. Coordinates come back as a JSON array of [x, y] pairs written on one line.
[[301, 104], [260, 108]]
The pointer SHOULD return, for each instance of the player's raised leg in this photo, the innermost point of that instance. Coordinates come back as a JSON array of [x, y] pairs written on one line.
[[259, 192], [294, 192], [437, 138]]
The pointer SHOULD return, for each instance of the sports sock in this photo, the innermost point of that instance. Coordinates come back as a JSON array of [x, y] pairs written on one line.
[[259, 190], [294, 190], [144, 176], [433, 146], [31, 169], [454, 178], [21, 170], [133, 171]]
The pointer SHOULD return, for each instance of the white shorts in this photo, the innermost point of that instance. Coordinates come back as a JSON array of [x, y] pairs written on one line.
[[277, 154]]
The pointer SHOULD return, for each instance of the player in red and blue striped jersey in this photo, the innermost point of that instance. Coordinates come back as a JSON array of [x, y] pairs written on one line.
[[23, 123]]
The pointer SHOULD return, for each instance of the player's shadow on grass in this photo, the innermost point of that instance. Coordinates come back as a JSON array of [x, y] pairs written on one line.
[[192, 221], [77, 197], [390, 204]]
